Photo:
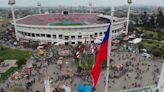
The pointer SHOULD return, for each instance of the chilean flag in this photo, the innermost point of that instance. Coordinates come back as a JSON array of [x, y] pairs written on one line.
[[101, 57]]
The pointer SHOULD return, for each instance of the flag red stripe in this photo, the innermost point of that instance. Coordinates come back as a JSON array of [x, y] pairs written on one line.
[[101, 56]]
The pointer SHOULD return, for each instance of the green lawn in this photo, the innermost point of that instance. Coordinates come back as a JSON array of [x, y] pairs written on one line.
[[153, 35], [6, 75], [154, 47], [146, 32], [66, 23], [150, 43], [8, 53]]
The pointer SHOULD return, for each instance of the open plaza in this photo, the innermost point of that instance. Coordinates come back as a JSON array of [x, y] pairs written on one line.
[[86, 50]]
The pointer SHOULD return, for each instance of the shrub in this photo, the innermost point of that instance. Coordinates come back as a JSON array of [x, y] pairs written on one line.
[[21, 62], [150, 42], [1, 60], [157, 52], [141, 46], [150, 36], [79, 69]]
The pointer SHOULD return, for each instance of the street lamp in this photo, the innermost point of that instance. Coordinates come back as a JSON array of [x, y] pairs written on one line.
[[90, 7], [12, 3], [39, 7], [129, 1], [128, 15]]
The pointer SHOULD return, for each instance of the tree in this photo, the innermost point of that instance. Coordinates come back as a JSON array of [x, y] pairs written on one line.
[[150, 36], [144, 18], [21, 62], [79, 69], [159, 36], [1, 60], [162, 52], [1, 49], [157, 53], [160, 18], [141, 46], [152, 22]]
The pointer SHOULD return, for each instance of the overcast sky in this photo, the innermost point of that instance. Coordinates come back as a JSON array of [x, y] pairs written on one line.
[[4, 3]]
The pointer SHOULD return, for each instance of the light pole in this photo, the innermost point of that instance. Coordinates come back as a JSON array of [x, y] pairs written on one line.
[[39, 7], [90, 7], [12, 3], [128, 15]]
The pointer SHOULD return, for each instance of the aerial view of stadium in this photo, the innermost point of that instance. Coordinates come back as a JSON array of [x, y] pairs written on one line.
[[70, 28], [81, 46]]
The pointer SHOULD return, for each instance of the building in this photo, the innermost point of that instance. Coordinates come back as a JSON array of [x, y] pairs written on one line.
[[70, 28]]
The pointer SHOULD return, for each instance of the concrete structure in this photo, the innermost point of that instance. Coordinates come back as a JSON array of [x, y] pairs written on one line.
[[36, 27]]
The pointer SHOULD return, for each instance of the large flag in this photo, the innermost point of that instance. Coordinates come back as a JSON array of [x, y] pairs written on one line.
[[101, 57]]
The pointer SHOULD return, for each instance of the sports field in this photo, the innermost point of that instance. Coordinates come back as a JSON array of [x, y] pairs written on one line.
[[66, 23]]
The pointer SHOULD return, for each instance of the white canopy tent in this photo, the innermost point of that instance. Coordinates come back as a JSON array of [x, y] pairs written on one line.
[[143, 50], [47, 86], [132, 36], [42, 43], [67, 89], [40, 47], [60, 42], [15, 43], [135, 41], [29, 65], [98, 41]]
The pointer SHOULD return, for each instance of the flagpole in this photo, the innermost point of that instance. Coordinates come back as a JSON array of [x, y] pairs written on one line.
[[109, 49], [128, 15]]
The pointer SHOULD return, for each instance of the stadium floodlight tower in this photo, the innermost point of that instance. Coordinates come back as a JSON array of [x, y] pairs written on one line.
[[12, 3], [90, 7], [39, 7], [128, 15]]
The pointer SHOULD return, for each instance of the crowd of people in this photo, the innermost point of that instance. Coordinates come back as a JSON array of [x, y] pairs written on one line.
[[130, 69], [136, 71]]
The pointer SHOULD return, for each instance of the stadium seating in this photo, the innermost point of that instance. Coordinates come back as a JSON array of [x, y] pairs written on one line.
[[45, 19]]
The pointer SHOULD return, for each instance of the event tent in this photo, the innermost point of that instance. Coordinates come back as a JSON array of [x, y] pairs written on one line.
[[135, 41]]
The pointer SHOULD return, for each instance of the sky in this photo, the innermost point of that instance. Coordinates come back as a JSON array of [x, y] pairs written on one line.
[[4, 3]]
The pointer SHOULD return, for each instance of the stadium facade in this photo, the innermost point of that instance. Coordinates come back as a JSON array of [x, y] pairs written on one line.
[[66, 28]]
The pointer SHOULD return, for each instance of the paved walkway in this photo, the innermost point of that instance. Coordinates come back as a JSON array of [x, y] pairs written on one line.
[[137, 71], [142, 72]]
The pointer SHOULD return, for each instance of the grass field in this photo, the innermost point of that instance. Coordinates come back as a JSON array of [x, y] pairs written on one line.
[[152, 41], [150, 44], [153, 35], [66, 23], [6, 75], [8, 53]]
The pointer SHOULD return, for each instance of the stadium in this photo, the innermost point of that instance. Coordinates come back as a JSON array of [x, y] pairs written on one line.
[[68, 28]]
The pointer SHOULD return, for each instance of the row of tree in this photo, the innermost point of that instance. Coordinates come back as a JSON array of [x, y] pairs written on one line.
[[146, 20]]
